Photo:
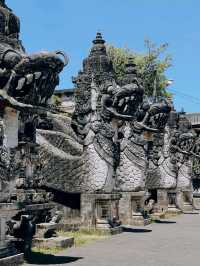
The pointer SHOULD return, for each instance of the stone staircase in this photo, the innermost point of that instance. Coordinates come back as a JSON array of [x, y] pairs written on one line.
[[188, 208]]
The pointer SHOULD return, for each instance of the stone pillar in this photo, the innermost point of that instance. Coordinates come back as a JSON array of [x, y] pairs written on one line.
[[180, 200], [3, 244], [125, 208], [196, 200], [88, 210], [7, 250], [11, 119], [162, 200]]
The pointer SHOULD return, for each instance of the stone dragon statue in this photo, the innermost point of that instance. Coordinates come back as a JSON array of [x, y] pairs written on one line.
[[26, 84], [170, 164], [100, 105], [108, 121], [150, 118]]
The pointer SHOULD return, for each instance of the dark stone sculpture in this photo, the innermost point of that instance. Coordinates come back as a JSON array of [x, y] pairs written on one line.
[[102, 107], [170, 164], [27, 83], [108, 125], [136, 146]]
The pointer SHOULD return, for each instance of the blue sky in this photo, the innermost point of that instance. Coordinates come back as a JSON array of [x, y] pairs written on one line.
[[71, 25]]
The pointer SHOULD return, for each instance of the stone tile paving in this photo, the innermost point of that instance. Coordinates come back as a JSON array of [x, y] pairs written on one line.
[[169, 244]]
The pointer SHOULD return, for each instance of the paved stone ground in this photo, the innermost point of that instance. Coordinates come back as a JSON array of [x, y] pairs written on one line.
[[168, 244]]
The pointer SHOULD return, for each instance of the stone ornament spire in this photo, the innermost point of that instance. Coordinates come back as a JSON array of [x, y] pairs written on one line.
[[98, 60], [3, 4], [98, 39], [131, 73], [9, 22]]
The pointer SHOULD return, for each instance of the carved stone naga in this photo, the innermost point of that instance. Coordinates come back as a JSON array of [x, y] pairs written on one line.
[[26, 84], [104, 111], [30, 79], [27, 81], [93, 151], [102, 106], [149, 119], [186, 140], [170, 164], [109, 119]]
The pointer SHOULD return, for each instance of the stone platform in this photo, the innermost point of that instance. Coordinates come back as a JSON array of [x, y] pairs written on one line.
[[54, 242], [12, 260]]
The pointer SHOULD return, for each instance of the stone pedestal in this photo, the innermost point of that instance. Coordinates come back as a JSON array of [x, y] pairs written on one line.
[[185, 201], [125, 208], [46, 237], [196, 200], [129, 204], [6, 247], [173, 210], [104, 227], [14, 260], [43, 230], [4, 251], [98, 207], [102, 224], [139, 220], [157, 215], [111, 231], [54, 242], [162, 201]]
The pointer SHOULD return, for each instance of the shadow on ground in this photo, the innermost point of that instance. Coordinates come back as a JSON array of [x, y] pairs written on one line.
[[193, 213], [48, 259], [136, 230], [164, 222]]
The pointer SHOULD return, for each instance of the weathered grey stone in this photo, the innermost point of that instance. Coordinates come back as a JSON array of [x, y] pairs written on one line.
[[54, 242], [15, 260]]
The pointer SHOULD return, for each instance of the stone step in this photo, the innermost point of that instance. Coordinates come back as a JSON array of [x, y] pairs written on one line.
[[188, 207], [14, 260], [54, 242], [191, 212]]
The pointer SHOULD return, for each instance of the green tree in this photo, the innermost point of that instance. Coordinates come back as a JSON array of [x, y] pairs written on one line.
[[150, 65], [56, 100]]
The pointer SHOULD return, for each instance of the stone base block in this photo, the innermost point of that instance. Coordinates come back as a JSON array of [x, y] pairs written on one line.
[[196, 203], [111, 231], [139, 220], [173, 210], [12, 260], [191, 212], [43, 229], [102, 224], [187, 207], [54, 242], [69, 226], [157, 215]]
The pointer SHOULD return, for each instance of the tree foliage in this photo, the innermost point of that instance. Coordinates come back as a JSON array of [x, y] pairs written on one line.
[[56, 100], [151, 65], [196, 168]]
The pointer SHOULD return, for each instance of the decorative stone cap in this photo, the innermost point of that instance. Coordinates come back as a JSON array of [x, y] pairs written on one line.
[[99, 39]]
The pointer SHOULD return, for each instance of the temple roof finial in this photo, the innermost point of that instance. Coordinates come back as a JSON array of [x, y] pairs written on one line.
[[99, 39], [3, 4], [130, 66]]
